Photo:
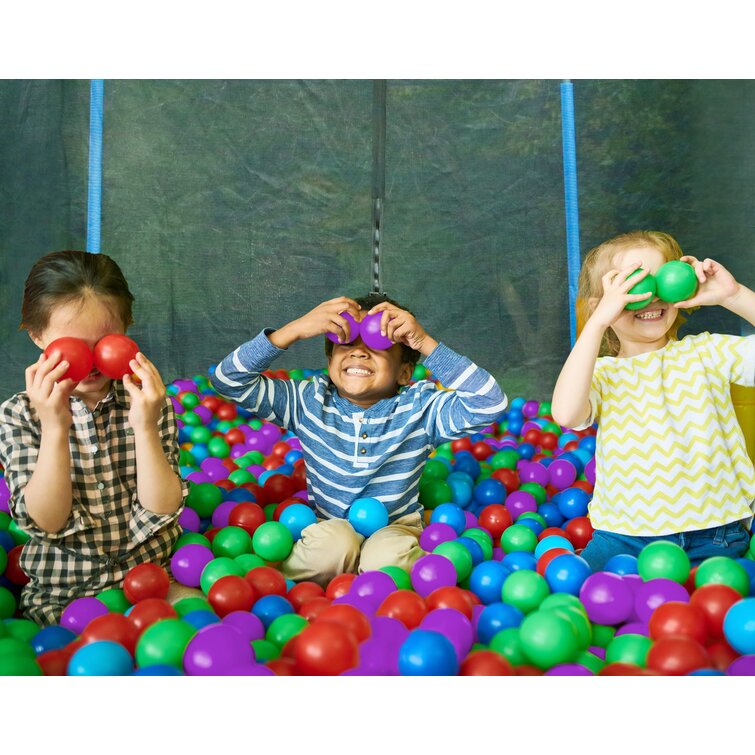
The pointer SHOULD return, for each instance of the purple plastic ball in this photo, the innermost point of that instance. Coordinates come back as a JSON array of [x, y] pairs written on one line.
[[471, 520], [520, 502], [198, 477], [203, 413], [369, 330], [590, 471], [606, 598], [436, 533], [353, 330], [530, 408], [373, 587], [562, 473], [249, 624], [633, 627], [217, 650], [568, 669], [654, 593], [188, 561], [431, 572], [78, 613], [451, 624], [742, 666], [189, 520], [534, 472], [222, 512]]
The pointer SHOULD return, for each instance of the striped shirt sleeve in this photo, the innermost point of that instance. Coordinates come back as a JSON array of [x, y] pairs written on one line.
[[474, 401], [238, 378], [732, 356]]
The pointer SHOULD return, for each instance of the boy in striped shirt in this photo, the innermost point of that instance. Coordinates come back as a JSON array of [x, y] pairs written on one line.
[[363, 432]]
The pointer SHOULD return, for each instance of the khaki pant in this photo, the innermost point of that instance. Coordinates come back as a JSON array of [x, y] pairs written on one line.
[[332, 546]]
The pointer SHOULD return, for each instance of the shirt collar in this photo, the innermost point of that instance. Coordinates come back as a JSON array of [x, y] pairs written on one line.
[[117, 394]]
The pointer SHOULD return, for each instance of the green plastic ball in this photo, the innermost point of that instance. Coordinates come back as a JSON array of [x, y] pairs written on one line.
[[434, 492], [675, 281], [192, 419], [269, 510], [646, 285], [721, 570], [272, 541], [483, 539], [517, 537], [602, 635], [525, 590], [185, 459], [224, 426], [538, 491], [3, 560], [629, 648], [590, 661], [284, 627], [547, 639], [663, 559], [231, 541], [5, 520], [579, 623], [458, 555], [13, 646], [192, 538], [508, 644], [194, 603], [200, 434], [19, 666], [189, 400], [563, 600], [21, 629], [249, 561], [218, 447], [420, 372], [435, 469], [18, 535], [505, 458], [240, 476], [545, 409], [217, 568], [264, 650], [115, 599], [164, 642], [7, 603], [204, 498], [445, 450], [399, 576]]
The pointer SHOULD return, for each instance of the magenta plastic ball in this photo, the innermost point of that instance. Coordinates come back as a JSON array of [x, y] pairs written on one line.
[[215, 650], [249, 624], [742, 666], [198, 477], [432, 571], [562, 473], [534, 472], [271, 432], [373, 587], [353, 329], [364, 605], [203, 413], [654, 593], [498, 553], [186, 385], [178, 407], [600, 652], [568, 669], [471, 520], [222, 512], [590, 471], [606, 598], [187, 563], [369, 330], [78, 613], [633, 627], [391, 633], [189, 520], [451, 624], [520, 502], [436, 533], [238, 449], [375, 659], [530, 408]]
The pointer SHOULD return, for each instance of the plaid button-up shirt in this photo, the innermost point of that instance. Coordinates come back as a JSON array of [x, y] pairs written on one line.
[[108, 531]]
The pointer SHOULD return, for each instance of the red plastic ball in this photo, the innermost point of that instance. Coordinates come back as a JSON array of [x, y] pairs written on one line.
[[721, 654], [231, 593], [547, 557], [349, 617], [146, 581], [55, 662], [461, 444], [485, 663], [113, 354], [404, 605], [112, 627], [247, 515], [234, 436], [625, 669], [526, 670], [481, 450], [13, 570], [548, 441], [452, 597], [579, 531], [677, 619], [299, 475], [583, 485], [339, 585], [713, 601], [302, 592], [226, 412], [147, 612], [282, 666], [677, 656], [211, 402], [509, 478], [278, 487], [313, 608], [325, 649], [553, 531], [533, 436], [266, 581], [283, 505], [280, 449], [224, 484], [76, 352], [495, 518]]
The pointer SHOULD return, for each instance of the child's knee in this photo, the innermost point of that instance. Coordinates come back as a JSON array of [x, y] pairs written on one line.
[[390, 547]]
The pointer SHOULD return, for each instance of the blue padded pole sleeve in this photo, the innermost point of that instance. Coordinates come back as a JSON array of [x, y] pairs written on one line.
[[94, 194]]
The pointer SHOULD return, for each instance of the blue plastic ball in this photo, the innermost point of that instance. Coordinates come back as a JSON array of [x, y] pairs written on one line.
[[450, 514], [201, 618], [567, 573], [102, 658], [296, 517], [460, 476], [490, 491], [474, 548], [572, 457], [486, 581], [367, 516], [495, 618], [621, 564], [552, 541], [240, 495], [465, 462], [293, 455], [739, 626], [159, 669], [269, 607], [6, 541], [517, 403], [587, 444], [519, 560], [426, 653], [706, 672], [526, 450], [573, 502], [52, 637], [533, 524], [551, 513], [461, 491], [200, 452], [565, 438]]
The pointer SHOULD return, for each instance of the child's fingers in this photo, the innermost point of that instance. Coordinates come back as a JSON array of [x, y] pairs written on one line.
[[689, 259], [130, 386], [340, 327], [46, 380], [639, 297]]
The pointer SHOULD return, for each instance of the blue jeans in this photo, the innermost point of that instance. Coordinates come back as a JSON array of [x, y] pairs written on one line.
[[727, 540]]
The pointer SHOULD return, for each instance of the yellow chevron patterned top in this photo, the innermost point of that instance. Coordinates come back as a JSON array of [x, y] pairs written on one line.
[[670, 454]]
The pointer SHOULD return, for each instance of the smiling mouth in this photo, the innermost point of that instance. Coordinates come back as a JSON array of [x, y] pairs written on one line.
[[358, 371], [653, 314]]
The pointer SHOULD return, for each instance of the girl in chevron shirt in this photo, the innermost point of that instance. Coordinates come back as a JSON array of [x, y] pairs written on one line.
[[670, 461]]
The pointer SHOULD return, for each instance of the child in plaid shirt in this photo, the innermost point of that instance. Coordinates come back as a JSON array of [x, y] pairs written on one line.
[[92, 466]]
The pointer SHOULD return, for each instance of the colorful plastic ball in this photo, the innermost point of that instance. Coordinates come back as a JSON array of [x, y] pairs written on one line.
[[675, 619], [450, 514], [489, 491], [404, 605], [247, 515], [517, 560], [370, 333], [629, 648], [164, 642], [188, 562], [52, 637], [112, 627], [147, 612], [461, 490], [552, 541], [102, 658], [284, 628], [78, 613], [532, 524], [713, 601], [231, 593], [520, 502], [250, 626], [76, 352], [567, 573], [663, 559], [551, 513], [296, 517], [217, 568], [495, 518], [201, 619], [573, 502], [217, 650], [495, 618], [645, 286], [653, 593], [272, 541], [432, 571], [739, 626], [427, 653], [675, 281], [474, 548], [373, 587], [524, 590], [723, 571], [547, 639], [677, 656], [453, 625], [518, 538], [534, 472], [435, 492], [486, 581], [485, 663], [230, 541], [465, 463], [435, 534], [621, 564], [367, 516], [607, 598], [270, 607], [459, 556], [326, 649]]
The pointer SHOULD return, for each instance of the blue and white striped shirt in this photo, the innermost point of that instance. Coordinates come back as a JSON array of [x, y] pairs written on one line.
[[351, 452]]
